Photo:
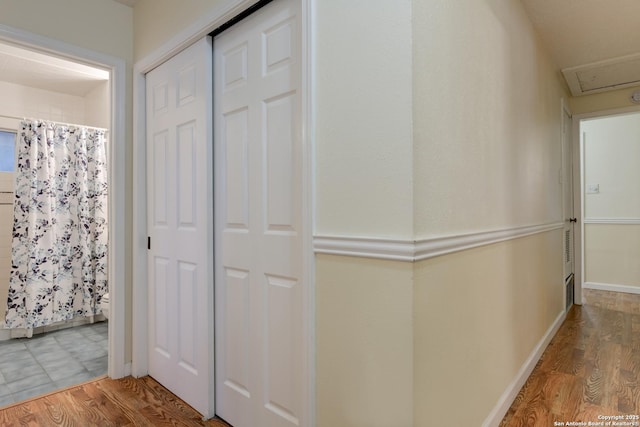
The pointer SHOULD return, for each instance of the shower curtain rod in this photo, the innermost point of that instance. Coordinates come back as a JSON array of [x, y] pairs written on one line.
[[55, 121]]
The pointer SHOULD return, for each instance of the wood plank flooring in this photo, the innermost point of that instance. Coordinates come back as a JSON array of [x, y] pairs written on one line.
[[591, 368], [106, 402]]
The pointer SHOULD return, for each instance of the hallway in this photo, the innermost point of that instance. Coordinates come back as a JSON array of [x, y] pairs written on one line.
[[590, 369]]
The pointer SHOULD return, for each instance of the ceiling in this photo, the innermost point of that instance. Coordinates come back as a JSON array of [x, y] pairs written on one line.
[[130, 3], [28, 68], [595, 42]]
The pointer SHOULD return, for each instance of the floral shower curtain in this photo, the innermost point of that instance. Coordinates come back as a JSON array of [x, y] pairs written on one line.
[[59, 248]]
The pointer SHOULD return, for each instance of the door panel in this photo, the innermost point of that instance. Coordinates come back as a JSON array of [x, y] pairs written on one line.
[[180, 213], [259, 316], [567, 189]]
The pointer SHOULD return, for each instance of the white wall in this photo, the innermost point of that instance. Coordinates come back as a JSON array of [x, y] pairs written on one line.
[[364, 137], [612, 161], [98, 106], [486, 119], [611, 153], [22, 101]]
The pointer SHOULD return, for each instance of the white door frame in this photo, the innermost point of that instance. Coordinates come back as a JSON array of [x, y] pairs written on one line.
[[578, 189], [117, 169], [199, 29]]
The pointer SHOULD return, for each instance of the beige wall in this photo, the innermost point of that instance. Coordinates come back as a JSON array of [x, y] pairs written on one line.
[[611, 151], [611, 254], [158, 21], [101, 26], [478, 315], [364, 342]]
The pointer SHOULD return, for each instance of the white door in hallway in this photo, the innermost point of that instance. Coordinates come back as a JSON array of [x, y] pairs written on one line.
[[180, 217], [567, 190], [258, 177]]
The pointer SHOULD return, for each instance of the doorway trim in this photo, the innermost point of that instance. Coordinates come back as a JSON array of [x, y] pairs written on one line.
[[578, 189], [198, 30], [117, 170]]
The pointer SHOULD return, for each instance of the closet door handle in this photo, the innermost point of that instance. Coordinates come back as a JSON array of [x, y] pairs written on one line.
[[573, 220]]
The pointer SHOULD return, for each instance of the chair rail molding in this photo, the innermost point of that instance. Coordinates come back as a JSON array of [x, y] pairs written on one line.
[[418, 250]]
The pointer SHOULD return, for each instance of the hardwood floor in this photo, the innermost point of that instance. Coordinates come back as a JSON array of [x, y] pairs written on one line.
[[106, 402], [591, 368]]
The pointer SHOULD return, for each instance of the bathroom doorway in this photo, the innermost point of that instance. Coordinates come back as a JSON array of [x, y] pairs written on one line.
[[66, 92]]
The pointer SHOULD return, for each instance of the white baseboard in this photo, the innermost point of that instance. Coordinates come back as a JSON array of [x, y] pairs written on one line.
[[509, 395], [612, 287], [615, 221]]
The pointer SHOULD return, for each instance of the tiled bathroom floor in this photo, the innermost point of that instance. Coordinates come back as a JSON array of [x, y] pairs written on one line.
[[46, 362]]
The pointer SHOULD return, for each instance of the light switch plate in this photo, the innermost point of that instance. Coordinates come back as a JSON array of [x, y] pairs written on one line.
[[593, 188]]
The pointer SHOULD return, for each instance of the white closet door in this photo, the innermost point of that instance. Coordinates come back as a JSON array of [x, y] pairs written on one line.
[[179, 188], [258, 163]]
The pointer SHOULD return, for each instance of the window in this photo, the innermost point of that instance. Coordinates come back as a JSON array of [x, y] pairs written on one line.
[[7, 151]]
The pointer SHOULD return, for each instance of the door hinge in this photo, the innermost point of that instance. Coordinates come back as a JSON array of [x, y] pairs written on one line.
[[149, 242]]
